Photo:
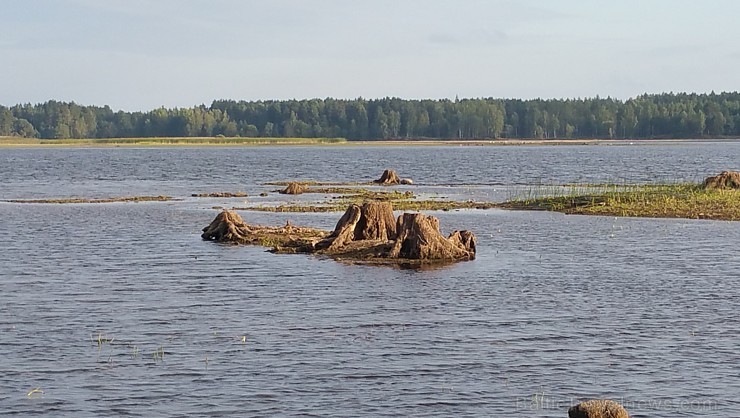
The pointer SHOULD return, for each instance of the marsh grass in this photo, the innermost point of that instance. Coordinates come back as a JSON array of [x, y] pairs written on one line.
[[680, 200]]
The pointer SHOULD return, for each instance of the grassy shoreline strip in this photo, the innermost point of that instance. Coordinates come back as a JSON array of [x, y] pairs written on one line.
[[687, 201]]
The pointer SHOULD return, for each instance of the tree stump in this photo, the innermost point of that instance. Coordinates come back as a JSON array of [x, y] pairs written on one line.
[[227, 227], [293, 188], [726, 180], [598, 408], [418, 238], [373, 221], [230, 227], [389, 177]]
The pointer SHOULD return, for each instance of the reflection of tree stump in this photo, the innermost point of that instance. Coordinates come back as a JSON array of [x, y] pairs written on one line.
[[388, 177], [373, 221], [725, 180], [598, 409], [293, 188], [227, 227], [418, 238]]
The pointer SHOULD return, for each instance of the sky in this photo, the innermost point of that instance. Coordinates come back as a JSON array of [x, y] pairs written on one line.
[[144, 54]]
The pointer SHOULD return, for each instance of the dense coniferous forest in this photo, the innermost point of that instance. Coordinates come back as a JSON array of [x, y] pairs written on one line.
[[646, 116]]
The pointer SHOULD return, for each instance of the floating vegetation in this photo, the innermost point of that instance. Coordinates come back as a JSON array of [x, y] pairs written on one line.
[[35, 391], [341, 205], [104, 200], [317, 183], [220, 194], [689, 201]]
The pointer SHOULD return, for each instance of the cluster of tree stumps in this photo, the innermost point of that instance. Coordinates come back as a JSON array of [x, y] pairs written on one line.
[[369, 233]]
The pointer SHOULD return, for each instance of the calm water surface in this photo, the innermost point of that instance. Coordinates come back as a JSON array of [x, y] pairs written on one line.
[[555, 308]]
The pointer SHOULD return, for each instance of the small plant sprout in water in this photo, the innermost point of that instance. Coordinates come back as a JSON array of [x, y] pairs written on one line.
[[158, 354], [101, 339], [134, 352]]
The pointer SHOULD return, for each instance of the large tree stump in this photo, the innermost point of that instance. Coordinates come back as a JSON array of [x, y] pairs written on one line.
[[725, 180], [293, 188], [389, 177], [373, 221], [418, 238], [376, 222], [598, 408]]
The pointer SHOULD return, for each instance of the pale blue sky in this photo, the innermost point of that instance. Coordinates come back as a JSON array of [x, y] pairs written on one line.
[[142, 54]]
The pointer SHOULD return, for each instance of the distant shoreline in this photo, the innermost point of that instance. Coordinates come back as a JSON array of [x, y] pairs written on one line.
[[16, 142]]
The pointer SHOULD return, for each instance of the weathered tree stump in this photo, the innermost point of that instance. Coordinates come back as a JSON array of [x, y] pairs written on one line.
[[389, 177], [418, 238], [293, 188], [598, 408], [227, 227], [726, 180], [373, 221], [407, 181]]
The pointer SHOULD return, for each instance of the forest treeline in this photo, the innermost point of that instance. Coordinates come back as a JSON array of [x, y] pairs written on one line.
[[646, 116]]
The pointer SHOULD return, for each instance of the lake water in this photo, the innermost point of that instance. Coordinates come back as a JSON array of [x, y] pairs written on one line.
[[555, 309]]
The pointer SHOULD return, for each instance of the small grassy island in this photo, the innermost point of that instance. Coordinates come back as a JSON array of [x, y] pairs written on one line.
[[718, 198]]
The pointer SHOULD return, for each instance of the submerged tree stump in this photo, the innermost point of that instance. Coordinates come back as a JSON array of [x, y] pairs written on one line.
[[726, 180], [293, 188], [389, 177], [598, 408], [418, 238]]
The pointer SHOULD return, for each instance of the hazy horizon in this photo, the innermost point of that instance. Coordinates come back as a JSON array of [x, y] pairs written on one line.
[[137, 55]]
